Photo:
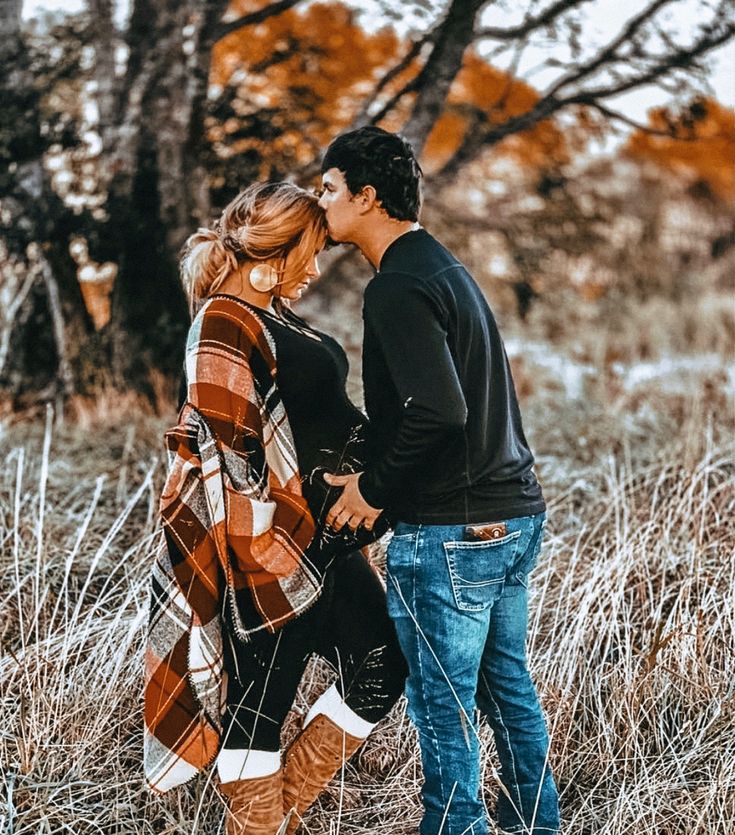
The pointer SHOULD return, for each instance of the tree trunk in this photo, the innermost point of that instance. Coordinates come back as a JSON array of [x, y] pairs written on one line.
[[36, 227], [47, 356], [435, 79], [10, 17], [160, 192]]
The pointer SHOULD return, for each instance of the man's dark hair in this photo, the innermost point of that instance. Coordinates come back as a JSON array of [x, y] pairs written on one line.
[[371, 156]]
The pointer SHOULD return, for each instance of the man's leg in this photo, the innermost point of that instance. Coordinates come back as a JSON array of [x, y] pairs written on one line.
[[440, 593], [507, 696]]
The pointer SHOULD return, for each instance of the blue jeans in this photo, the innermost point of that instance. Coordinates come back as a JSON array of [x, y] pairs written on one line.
[[461, 613]]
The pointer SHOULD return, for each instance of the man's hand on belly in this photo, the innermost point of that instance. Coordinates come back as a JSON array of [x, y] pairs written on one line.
[[350, 509]]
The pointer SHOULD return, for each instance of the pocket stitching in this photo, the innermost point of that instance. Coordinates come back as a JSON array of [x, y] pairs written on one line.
[[454, 573], [454, 578], [482, 543], [409, 563]]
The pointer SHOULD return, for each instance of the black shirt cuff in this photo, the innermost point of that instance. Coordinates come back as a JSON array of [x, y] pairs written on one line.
[[370, 491]]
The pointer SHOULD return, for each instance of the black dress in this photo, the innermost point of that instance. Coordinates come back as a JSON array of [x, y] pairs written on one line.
[[349, 624], [311, 377]]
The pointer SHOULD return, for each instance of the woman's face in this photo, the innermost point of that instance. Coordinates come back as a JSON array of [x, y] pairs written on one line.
[[297, 280]]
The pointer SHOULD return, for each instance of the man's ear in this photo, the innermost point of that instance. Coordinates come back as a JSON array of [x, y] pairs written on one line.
[[367, 199]]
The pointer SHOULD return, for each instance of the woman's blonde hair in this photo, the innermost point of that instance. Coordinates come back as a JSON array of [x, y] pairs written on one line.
[[265, 222]]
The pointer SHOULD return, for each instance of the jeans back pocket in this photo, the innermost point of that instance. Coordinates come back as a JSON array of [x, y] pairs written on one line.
[[477, 570]]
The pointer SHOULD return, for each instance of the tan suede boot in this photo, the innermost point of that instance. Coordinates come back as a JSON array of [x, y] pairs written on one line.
[[255, 806], [312, 759]]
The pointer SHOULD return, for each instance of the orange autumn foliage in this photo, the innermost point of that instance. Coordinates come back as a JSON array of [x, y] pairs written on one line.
[[500, 97], [700, 149], [310, 71]]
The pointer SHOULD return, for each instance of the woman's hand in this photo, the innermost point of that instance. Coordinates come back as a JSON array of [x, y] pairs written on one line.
[[350, 508]]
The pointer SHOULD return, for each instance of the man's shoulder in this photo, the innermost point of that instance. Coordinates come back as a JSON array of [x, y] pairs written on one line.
[[418, 250], [393, 286]]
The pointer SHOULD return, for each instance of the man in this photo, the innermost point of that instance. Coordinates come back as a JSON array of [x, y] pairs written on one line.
[[453, 470]]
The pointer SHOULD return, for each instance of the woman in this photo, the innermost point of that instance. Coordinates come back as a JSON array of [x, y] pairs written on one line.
[[249, 581]]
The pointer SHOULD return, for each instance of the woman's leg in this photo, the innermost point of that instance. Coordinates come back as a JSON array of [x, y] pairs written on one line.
[[357, 637], [359, 640], [262, 680]]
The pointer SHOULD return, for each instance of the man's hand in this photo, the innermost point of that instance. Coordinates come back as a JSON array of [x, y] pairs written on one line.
[[350, 508]]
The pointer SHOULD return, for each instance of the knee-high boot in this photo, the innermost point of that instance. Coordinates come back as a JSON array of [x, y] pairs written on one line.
[[255, 805], [311, 761]]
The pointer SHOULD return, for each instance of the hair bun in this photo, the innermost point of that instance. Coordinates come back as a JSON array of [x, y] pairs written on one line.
[[204, 233], [236, 240]]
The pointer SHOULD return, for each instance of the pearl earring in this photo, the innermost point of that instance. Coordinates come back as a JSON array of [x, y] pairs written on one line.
[[263, 278]]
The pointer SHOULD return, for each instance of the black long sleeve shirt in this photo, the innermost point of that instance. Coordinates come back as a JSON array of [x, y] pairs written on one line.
[[446, 441]]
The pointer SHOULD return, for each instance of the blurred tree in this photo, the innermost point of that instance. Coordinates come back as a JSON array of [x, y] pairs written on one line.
[[482, 89], [697, 143], [649, 49], [122, 113], [44, 323], [281, 91], [284, 89], [126, 139]]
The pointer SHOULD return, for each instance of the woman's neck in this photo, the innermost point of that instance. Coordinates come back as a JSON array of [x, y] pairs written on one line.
[[237, 284]]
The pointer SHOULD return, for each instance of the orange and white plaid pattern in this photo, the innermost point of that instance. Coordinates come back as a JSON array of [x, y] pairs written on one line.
[[236, 529]]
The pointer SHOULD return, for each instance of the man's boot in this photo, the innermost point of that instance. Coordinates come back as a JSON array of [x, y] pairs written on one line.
[[311, 761], [255, 806]]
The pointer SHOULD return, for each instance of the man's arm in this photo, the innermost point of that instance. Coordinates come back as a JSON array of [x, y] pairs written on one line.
[[407, 326]]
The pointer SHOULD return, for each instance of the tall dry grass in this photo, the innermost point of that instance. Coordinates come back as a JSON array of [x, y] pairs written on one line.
[[633, 628]]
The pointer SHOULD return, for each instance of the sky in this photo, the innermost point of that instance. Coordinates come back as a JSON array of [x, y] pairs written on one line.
[[603, 18]]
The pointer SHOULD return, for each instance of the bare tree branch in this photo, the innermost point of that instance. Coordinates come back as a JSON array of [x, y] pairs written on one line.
[[530, 24], [609, 52], [685, 57], [483, 135], [436, 77], [252, 18], [409, 87], [60, 330], [615, 115], [363, 117], [7, 318]]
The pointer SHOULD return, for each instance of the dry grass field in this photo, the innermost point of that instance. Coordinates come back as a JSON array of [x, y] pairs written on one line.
[[633, 622]]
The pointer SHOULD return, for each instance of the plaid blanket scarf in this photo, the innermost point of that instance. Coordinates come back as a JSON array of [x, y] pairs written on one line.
[[235, 532]]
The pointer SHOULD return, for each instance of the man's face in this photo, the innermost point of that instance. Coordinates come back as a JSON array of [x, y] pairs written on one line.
[[341, 207]]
